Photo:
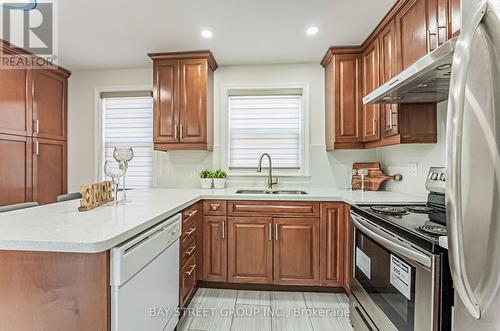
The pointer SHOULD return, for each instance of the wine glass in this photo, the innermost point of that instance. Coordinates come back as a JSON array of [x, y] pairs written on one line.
[[115, 177], [123, 155]]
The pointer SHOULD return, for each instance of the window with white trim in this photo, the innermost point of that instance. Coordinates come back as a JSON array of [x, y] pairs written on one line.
[[265, 123], [128, 121]]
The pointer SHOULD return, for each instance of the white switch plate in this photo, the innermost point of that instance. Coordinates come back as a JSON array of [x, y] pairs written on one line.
[[413, 169]]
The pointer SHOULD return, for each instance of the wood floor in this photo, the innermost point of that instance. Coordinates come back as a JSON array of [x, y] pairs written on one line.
[[221, 310]]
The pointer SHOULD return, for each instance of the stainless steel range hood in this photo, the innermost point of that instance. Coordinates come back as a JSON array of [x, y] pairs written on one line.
[[427, 80]]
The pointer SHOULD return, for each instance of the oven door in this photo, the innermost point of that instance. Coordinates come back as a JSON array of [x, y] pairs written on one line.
[[395, 283]]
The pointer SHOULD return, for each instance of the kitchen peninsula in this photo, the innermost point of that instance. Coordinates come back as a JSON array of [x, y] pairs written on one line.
[[38, 247]]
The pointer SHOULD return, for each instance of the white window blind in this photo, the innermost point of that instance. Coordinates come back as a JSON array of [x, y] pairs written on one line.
[[128, 121], [265, 124]]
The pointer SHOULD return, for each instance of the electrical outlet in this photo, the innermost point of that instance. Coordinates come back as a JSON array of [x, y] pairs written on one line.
[[413, 169]]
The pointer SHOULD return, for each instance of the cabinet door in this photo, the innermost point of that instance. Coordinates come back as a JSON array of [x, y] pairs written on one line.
[[250, 250], [348, 98], [15, 169], [371, 113], [388, 69], [332, 244], [15, 112], [214, 249], [193, 104], [49, 170], [296, 251], [166, 95], [49, 105], [417, 31]]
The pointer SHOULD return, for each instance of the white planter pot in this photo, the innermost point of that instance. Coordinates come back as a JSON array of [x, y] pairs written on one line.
[[219, 182], [206, 182]]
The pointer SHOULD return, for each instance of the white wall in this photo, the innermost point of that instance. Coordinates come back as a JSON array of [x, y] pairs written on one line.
[[82, 163], [181, 168]]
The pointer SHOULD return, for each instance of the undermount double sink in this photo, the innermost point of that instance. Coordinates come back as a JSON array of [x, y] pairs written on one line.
[[291, 192]]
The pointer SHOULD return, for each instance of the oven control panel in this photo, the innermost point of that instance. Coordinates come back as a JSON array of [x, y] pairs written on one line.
[[436, 180]]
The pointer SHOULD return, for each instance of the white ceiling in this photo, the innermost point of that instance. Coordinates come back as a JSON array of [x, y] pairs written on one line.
[[98, 34]]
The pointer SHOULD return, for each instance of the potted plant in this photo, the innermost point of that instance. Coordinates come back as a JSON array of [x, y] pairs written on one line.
[[219, 176], [206, 178]]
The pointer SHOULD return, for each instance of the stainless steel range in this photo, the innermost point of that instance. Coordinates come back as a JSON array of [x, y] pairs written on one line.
[[401, 278]]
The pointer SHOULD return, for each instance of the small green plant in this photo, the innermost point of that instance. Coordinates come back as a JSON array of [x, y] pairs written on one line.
[[219, 173], [206, 174]]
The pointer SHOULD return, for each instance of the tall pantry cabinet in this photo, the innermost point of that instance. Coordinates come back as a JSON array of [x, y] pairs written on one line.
[[33, 133]]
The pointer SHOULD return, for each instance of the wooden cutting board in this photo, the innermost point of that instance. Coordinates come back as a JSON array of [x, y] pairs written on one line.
[[375, 177]]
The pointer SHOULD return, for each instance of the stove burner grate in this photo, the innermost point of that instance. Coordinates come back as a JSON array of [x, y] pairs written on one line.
[[420, 209], [389, 210], [434, 229]]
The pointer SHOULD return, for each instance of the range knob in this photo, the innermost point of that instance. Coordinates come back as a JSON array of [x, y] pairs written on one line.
[[442, 177], [434, 176]]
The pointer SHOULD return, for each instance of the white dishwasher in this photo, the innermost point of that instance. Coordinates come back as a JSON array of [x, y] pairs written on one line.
[[145, 280]]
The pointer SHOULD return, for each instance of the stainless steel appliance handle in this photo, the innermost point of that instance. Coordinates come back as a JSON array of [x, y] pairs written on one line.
[[390, 242], [454, 164]]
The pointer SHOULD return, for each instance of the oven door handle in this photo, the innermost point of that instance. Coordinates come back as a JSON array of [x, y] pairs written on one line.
[[389, 241]]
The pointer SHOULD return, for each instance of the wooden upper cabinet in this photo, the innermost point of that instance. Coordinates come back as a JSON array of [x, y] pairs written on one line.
[[422, 26], [332, 244], [371, 113], [166, 98], [183, 100], [15, 169], [49, 170], [15, 112], [343, 100], [388, 69], [250, 250], [296, 251], [49, 104], [193, 105]]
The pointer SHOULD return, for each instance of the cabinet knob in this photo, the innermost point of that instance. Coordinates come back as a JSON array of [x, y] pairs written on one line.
[[214, 206]]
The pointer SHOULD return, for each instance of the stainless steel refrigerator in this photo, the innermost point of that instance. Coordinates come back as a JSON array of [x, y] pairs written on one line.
[[473, 162]]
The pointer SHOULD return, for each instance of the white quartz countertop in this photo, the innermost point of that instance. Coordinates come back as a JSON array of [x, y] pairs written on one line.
[[60, 227]]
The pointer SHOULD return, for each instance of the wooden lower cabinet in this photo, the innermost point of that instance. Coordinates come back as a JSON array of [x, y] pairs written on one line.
[[348, 248], [250, 250], [214, 249], [296, 251], [279, 247], [332, 244]]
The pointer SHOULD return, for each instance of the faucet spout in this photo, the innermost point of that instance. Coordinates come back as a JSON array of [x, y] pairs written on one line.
[[270, 181]]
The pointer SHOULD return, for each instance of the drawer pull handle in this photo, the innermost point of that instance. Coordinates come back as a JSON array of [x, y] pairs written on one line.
[[191, 270], [191, 250], [190, 232], [276, 231], [214, 206], [191, 213]]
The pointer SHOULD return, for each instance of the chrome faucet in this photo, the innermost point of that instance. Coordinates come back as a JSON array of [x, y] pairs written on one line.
[[270, 181]]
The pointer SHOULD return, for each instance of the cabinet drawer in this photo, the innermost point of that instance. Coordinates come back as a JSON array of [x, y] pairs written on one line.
[[215, 207], [273, 208], [189, 230], [190, 213], [187, 280], [188, 250]]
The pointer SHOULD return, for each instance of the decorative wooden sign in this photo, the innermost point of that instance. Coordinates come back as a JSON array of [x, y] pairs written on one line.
[[95, 195]]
